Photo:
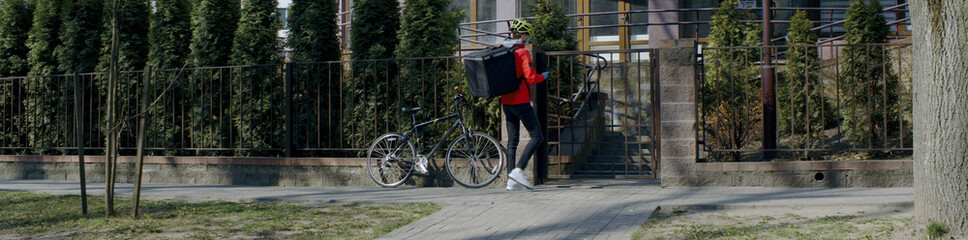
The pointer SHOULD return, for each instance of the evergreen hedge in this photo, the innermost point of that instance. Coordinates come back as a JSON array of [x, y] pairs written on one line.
[[313, 40], [865, 76], [213, 30], [374, 36], [429, 29], [258, 91], [169, 36], [41, 102], [800, 97], [731, 105], [15, 20]]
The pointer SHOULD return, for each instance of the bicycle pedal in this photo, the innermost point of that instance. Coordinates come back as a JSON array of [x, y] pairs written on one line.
[[422, 170]]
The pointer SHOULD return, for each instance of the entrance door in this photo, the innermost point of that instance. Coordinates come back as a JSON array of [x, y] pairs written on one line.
[[613, 27]]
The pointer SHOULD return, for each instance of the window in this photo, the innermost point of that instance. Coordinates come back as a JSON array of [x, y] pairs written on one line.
[[283, 14]]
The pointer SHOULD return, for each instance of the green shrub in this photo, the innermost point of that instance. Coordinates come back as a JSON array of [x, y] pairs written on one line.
[[374, 36], [803, 110], [865, 76], [16, 16], [214, 23], [731, 105], [257, 116]]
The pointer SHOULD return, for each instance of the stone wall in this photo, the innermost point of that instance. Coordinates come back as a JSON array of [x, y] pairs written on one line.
[[309, 172], [878, 173]]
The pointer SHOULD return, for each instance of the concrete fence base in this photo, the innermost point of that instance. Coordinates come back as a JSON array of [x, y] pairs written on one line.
[[821, 174], [309, 172]]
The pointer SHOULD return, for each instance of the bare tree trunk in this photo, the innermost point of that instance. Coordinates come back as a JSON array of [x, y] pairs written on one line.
[[941, 114]]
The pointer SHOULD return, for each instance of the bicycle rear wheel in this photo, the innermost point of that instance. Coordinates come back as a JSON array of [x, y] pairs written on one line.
[[390, 160], [475, 161]]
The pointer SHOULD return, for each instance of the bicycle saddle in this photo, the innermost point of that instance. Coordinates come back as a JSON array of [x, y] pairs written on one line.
[[409, 110]]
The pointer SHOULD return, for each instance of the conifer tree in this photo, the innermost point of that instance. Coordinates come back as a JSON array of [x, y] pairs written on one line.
[[132, 55], [257, 97], [41, 103], [730, 93], [374, 36], [313, 39], [170, 34], [15, 21], [255, 39], [313, 28], [551, 34], [133, 43], [213, 29], [864, 76], [803, 111], [80, 35], [43, 38], [429, 29], [16, 18]]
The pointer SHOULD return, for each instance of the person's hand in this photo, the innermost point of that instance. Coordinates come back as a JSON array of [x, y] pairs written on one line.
[[545, 74]]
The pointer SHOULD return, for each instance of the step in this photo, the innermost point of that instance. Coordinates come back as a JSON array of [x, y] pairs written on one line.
[[613, 168], [619, 159], [602, 174], [629, 152]]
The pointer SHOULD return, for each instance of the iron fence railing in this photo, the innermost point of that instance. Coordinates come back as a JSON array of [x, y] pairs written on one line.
[[328, 109], [325, 109], [833, 102]]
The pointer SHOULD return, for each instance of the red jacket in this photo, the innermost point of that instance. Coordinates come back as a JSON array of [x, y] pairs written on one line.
[[522, 65]]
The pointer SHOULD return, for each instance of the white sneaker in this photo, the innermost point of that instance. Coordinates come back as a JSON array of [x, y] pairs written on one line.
[[512, 186], [518, 176]]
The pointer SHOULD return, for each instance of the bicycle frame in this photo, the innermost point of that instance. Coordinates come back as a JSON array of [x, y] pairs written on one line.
[[415, 131]]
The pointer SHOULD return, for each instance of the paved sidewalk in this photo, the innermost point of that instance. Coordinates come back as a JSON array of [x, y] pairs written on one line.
[[590, 209]]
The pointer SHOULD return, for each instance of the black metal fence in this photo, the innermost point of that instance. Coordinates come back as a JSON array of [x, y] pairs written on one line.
[[328, 109], [834, 102]]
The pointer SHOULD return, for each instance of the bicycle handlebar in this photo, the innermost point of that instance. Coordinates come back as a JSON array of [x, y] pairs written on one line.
[[460, 96]]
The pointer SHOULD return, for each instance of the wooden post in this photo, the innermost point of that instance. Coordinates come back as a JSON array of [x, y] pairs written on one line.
[[79, 137], [141, 141]]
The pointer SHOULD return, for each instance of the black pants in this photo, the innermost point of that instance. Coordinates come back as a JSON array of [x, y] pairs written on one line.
[[514, 115]]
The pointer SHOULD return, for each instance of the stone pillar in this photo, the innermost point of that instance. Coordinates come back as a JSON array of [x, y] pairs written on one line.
[[659, 33], [677, 112]]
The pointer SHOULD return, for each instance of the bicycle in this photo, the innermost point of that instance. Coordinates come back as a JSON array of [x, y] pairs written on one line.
[[473, 160]]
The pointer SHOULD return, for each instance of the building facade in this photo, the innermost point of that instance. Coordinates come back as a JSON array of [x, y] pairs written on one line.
[[632, 24]]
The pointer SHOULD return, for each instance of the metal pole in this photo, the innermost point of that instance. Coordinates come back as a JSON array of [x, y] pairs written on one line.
[[768, 91], [141, 141], [540, 98], [289, 121], [79, 136]]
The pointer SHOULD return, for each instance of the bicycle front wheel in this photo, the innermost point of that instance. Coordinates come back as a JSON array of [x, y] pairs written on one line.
[[475, 161], [390, 160]]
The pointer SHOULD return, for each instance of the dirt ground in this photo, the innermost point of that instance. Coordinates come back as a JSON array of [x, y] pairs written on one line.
[[792, 222]]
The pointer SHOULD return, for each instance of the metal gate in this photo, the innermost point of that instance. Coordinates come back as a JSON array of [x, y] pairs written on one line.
[[601, 123]]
